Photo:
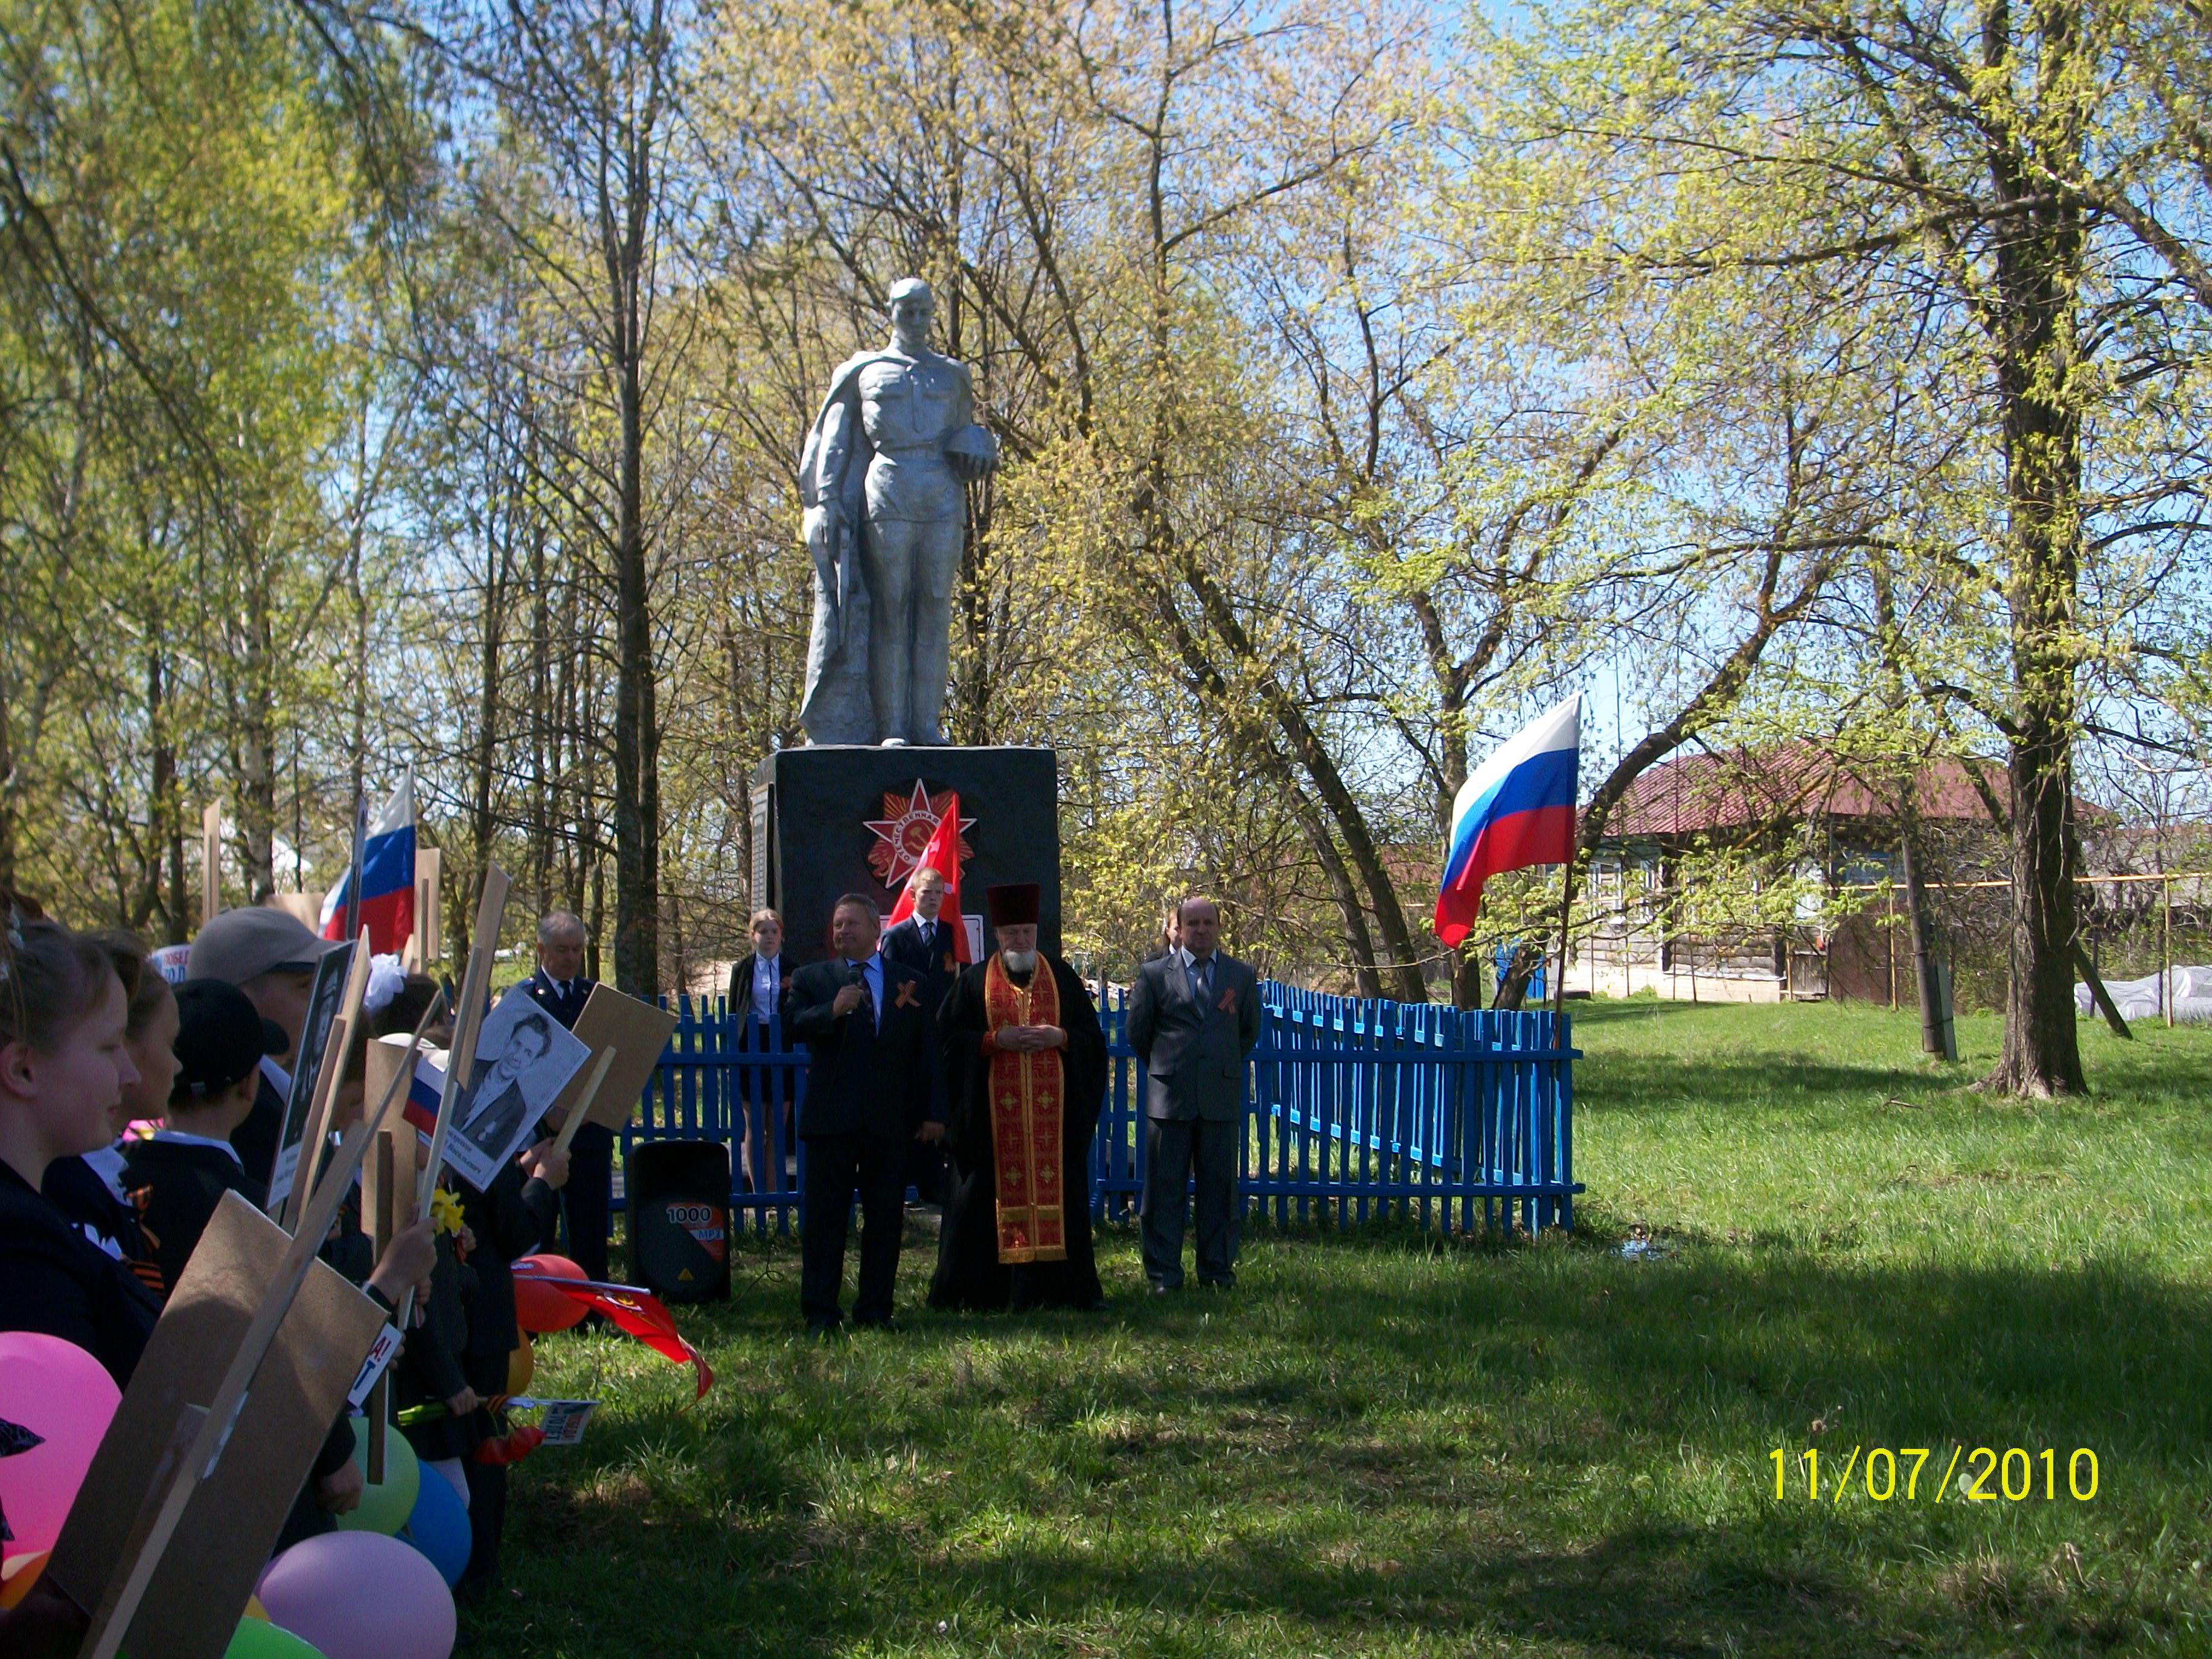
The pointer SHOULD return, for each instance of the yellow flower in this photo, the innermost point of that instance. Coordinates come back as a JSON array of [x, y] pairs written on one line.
[[446, 1210]]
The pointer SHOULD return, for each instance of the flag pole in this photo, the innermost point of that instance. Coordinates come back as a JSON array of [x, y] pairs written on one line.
[[355, 873], [1566, 918]]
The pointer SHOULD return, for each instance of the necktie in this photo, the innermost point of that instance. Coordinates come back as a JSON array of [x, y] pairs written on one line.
[[1201, 979]]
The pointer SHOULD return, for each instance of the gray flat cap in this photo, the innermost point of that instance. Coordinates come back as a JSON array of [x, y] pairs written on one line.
[[242, 945]]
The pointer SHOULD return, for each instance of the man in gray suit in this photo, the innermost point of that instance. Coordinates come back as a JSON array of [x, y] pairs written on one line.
[[1194, 1016]]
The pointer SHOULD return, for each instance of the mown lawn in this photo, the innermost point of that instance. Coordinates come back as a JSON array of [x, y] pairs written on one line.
[[1379, 1444]]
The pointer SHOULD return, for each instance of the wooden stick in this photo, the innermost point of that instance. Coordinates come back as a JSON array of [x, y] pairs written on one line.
[[385, 1167], [585, 1101], [326, 1082], [211, 861]]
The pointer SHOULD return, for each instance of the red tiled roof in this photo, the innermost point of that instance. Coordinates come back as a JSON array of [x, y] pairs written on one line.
[[1700, 794]]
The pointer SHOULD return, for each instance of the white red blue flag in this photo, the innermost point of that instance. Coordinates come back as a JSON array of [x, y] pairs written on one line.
[[388, 888], [1517, 809]]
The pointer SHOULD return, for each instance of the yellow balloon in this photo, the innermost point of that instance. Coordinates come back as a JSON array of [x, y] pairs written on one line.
[[255, 1610], [521, 1366]]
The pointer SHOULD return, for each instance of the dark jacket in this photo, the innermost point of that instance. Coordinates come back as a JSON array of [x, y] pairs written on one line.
[[431, 1369], [1195, 1055], [177, 1187], [78, 1191], [510, 1221], [937, 967], [741, 989], [880, 1080], [565, 1010], [257, 1137], [54, 1280]]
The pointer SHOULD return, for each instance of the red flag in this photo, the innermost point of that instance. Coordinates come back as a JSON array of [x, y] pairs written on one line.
[[942, 855], [641, 1313]]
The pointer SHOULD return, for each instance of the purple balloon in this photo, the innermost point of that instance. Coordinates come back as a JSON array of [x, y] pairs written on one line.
[[359, 1596]]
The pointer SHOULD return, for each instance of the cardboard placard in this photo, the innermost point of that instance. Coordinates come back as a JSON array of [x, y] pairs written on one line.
[[576, 1120], [210, 1560], [641, 1031]]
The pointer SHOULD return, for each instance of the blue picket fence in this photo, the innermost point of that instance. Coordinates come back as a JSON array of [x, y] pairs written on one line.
[[1355, 1109]]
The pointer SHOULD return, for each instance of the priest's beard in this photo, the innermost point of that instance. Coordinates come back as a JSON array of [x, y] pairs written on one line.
[[1019, 962]]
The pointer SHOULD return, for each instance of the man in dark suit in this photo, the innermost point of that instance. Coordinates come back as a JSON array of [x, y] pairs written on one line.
[[1194, 1016], [925, 943], [562, 987], [760, 988], [872, 1086]]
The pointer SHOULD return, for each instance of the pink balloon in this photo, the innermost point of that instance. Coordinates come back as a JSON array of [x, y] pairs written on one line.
[[65, 1396], [359, 1596]]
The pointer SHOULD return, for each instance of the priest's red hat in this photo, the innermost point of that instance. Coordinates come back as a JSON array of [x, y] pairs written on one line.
[[1013, 904]]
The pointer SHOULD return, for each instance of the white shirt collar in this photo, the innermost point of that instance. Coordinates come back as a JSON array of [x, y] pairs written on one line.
[[107, 1164], [1188, 960], [279, 1078], [180, 1138]]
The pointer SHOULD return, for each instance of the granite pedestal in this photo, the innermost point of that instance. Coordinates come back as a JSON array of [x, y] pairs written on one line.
[[830, 819]]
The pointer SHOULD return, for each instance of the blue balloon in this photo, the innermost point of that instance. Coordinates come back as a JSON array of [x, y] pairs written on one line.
[[438, 1526]]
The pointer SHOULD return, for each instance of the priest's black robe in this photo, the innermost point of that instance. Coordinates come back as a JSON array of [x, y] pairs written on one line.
[[969, 1271]]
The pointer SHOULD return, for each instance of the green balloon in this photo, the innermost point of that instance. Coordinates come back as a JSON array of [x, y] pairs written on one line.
[[257, 1638], [385, 1504]]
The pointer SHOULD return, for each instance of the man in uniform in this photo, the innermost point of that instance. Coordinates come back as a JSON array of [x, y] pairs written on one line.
[[1025, 1071]]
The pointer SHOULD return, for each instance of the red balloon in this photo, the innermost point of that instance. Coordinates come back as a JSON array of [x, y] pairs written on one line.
[[540, 1307]]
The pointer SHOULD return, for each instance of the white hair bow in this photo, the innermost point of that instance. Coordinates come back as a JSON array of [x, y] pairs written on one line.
[[385, 976]]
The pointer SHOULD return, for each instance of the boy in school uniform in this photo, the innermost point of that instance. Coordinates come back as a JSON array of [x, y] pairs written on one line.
[[178, 1176]]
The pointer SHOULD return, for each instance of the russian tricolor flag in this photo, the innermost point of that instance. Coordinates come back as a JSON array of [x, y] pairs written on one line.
[[1517, 809], [387, 890]]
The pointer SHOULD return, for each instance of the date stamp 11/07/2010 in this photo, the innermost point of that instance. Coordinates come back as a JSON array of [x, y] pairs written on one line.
[[1909, 1474]]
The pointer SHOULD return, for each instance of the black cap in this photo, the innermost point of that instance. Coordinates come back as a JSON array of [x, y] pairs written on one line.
[[221, 1038], [1013, 903]]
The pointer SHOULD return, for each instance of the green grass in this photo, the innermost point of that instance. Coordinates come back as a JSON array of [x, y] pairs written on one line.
[[1382, 1444]]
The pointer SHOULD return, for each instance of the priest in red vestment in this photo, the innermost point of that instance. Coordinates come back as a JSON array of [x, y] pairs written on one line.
[[1025, 1075]]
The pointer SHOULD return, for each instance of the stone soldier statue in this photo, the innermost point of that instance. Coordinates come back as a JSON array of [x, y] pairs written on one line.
[[883, 478]]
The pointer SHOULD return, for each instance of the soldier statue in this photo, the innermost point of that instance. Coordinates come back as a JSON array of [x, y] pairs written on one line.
[[883, 478]]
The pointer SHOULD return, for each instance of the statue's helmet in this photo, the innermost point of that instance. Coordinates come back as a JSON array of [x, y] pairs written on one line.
[[907, 286]]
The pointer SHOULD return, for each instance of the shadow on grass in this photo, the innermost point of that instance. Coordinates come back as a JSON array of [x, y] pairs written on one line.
[[1360, 1452]]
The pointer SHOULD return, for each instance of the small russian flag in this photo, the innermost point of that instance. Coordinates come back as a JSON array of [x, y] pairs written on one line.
[[425, 1091], [387, 891], [1517, 809]]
